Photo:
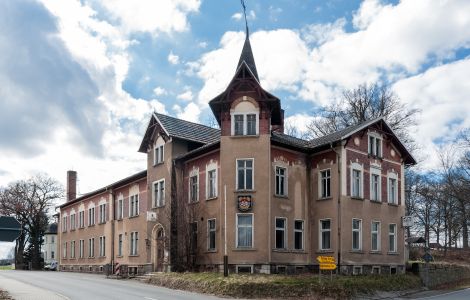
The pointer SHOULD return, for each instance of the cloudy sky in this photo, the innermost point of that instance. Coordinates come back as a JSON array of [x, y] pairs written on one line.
[[78, 79]]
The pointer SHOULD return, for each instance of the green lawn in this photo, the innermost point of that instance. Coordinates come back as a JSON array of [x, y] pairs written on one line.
[[7, 267]]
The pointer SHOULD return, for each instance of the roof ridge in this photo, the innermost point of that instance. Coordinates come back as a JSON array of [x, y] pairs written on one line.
[[168, 116]]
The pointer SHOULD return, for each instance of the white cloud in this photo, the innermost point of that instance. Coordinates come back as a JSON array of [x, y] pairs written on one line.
[[190, 113], [300, 122], [237, 16], [187, 96], [159, 91], [368, 12], [173, 59], [152, 16], [320, 33]]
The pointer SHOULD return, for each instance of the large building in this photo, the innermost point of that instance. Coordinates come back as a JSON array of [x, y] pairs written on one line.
[[270, 201]]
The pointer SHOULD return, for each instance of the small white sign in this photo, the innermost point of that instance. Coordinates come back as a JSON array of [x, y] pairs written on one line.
[[151, 216], [407, 221]]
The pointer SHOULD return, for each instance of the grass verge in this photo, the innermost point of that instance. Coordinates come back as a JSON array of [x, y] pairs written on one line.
[[7, 267], [280, 286]]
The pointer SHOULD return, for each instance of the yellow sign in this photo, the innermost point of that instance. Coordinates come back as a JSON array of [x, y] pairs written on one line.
[[327, 266], [326, 259]]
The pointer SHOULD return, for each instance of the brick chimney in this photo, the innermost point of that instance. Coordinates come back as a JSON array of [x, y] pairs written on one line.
[[71, 185]]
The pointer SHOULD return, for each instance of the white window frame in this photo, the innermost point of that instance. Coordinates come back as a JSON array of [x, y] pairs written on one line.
[[357, 270], [283, 229], [64, 222], [372, 147], [302, 232], [102, 213], [245, 122], [159, 200], [394, 235], [120, 207], [325, 195], [134, 243], [72, 221], [102, 246], [320, 234], [375, 172], [64, 250], [134, 205], [284, 185], [359, 232], [159, 151], [245, 169], [375, 232], [357, 167], [72, 249], [81, 218], [252, 230], [211, 183], [81, 248], [392, 199], [91, 215], [120, 241], [91, 247], [209, 232], [190, 190]]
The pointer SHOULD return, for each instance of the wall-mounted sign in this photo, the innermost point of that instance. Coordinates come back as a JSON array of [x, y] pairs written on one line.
[[245, 203]]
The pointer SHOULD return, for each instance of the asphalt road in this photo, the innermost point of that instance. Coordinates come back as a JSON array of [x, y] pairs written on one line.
[[455, 295], [25, 285]]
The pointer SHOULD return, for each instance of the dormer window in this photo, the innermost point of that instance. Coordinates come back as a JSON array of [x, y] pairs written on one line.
[[158, 151], [375, 144], [245, 118]]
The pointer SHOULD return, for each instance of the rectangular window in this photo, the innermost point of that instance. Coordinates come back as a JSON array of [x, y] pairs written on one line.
[[325, 183], [239, 122], [280, 233], [392, 237], [81, 248], [72, 249], [211, 184], [298, 235], [64, 250], [251, 124], [244, 231], [120, 245], [375, 236], [356, 234], [375, 146], [81, 219], [102, 246], [193, 188], [91, 247], [392, 191], [72, 222], [325, 234], [91, 216], [159, 193], [134, 243], [134, 205], [375, 187], [356, 183], [64, 224], [281, 181], [52, 255], [245, 174], [193, 233], [158, 155], [211, 234], [120, 208], [52, 239], [102, 213]]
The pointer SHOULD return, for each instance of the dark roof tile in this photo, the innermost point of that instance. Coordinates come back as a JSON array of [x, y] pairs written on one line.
[[188, 130]]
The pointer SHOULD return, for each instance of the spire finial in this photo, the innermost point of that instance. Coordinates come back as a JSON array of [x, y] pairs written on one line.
[[244, 13]]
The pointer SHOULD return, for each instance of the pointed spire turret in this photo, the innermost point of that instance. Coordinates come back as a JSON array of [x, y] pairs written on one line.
[[247, 53]]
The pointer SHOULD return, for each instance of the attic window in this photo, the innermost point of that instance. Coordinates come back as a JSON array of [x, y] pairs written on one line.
[[245, 118], [375, 144]]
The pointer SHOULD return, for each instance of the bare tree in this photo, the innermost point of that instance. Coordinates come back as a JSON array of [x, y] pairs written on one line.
[[28, 201], [366, 102]]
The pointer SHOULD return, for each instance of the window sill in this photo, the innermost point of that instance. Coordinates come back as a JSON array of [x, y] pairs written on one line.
[[281, 196], [211, 251], [91, 225], [119, 256], [392, 204], [393, 253], [193, 202], [103, 256], [244, 249], [324, 198], [245, 191], [91, 257], [120, 219], [132, 217], [83, 227], [160, 206], [158, 163], [133, 255], [211, 198], [295, 251], [357, 198], [244, 136], [376, 252], [369, 155], [72, 230], [376, 201], [101, 223]]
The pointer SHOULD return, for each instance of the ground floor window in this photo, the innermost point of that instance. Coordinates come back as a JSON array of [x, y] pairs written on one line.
[[357, 270], [244, 231], [211, 234], [298, 234], [245, 269], [325, 234], [280, 233], [133, 242]]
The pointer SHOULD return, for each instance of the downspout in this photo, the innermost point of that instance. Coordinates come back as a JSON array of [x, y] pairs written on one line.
[[338, 162]]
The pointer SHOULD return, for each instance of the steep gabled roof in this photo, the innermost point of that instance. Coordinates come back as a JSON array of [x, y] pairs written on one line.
[[247, 57], [181, 129], [289, 140]]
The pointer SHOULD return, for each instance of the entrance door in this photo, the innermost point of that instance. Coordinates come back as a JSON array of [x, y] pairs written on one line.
[[160, 250]]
